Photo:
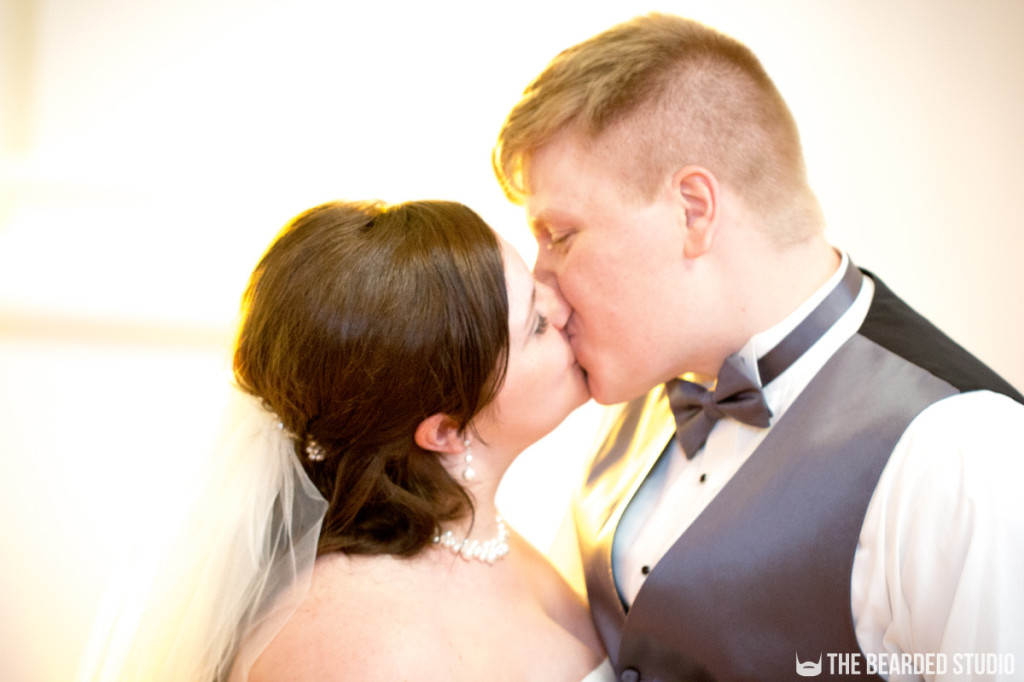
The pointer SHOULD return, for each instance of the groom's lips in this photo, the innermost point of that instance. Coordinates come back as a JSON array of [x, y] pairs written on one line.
[[573, 345]]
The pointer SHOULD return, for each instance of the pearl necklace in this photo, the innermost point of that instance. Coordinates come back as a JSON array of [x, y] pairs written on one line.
[[487, 551]]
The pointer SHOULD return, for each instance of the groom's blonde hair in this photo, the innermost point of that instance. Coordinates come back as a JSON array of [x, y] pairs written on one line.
[[661, 92]]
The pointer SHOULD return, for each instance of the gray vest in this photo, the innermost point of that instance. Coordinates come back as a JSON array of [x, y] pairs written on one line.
[[762, 577]]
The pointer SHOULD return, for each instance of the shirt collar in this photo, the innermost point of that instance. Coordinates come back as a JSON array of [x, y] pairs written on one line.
[[764, 341]]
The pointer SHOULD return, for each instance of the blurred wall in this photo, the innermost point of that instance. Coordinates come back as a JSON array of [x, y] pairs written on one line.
[[149, 152]]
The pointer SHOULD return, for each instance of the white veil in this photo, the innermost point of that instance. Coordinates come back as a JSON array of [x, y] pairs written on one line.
[[205, 603]]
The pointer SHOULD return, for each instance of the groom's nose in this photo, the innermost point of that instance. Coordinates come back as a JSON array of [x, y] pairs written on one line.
[[543, 267]]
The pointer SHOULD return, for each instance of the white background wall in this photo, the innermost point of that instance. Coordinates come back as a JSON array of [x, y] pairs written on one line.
[[150, 150]]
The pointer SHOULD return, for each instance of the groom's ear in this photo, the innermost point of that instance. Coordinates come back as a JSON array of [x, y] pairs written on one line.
[[697, 193], [439, 433]]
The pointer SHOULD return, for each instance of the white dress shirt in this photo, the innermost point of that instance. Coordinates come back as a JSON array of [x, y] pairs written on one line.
[[939, 566]]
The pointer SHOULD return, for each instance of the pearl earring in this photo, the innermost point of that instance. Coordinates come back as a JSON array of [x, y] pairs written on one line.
[[469, 473]]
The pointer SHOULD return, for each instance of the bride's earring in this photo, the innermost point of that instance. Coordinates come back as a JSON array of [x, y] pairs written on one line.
[[469, 473]]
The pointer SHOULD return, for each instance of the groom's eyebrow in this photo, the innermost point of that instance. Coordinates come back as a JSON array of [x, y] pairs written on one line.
[[544, 219]]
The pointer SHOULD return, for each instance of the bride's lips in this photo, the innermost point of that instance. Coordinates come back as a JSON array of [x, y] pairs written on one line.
[[576, 366], [574, 340]]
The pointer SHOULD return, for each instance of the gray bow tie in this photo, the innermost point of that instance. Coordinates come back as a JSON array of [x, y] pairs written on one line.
[[696, 409], [736, 394]]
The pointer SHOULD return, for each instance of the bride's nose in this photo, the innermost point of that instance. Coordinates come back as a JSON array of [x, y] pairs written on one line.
[[556, 308]]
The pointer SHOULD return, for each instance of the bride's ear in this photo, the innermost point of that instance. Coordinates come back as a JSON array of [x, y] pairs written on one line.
[[439, 433]]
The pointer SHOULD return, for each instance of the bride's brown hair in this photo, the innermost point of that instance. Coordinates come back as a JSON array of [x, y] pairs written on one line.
[[360, 321]]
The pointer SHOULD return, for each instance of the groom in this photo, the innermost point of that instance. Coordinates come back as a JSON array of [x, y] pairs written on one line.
[[802, 464]]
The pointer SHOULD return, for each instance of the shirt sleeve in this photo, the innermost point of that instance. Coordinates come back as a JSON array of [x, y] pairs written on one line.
[[940, 564]]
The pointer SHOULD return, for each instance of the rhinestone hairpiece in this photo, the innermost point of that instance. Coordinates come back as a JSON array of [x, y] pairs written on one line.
[[314, 451]]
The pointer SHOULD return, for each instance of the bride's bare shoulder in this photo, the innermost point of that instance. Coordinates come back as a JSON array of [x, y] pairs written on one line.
[[360, 620]]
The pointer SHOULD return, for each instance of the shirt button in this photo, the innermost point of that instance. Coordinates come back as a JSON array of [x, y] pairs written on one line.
[[630, 675]]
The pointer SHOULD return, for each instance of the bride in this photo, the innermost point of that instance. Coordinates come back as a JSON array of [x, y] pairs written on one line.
[[391, 363]]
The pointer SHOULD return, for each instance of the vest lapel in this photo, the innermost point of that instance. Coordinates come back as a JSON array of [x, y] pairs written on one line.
[[626, 456]]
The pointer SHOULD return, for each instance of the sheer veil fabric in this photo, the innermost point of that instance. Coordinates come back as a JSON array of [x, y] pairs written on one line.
[[202, 604]]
